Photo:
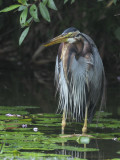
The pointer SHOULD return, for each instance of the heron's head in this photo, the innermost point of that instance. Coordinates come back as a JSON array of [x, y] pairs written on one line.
[[70, 35]]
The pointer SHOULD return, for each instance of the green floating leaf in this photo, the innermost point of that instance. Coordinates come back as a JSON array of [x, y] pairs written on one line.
[[79, 149], [83, 140], [104, 135], [102, 114], [23, 35], [52, 5], [34, 13], [44, 11], [16, 153], [28, 155], [51, 115], [65, 1], [23, 16], [117, 33], [10, 8]]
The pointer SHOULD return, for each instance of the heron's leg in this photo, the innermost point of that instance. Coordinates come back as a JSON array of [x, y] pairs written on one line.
[[84, 129], [63, 122], [84, 152]]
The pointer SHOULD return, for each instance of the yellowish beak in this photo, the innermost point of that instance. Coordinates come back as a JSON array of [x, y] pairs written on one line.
[[58, 39]]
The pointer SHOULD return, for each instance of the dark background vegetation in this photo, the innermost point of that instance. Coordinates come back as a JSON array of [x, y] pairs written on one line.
[[32, 61]]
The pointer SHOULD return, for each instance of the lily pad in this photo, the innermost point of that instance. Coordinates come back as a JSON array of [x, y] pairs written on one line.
[[19, 139]]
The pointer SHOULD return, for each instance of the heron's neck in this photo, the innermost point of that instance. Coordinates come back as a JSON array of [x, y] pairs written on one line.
[[65, 58]]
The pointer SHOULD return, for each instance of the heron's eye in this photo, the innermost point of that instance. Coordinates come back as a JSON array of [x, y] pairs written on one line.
[[78, 35]]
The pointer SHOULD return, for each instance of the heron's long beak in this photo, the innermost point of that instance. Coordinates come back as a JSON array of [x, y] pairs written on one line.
[[58, 39]]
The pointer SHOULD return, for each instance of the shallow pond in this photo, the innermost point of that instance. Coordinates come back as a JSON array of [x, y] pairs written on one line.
[[30, 129]]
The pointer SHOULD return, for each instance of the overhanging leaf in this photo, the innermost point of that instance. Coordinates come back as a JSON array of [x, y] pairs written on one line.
[[115, 1], [65, 1], [29, 20], [23, 35], [21, 8], [72, 1], [44, 11], [22, 2], [52, 5], [10, 8], [34, 13], [45, 1], [23, 16]]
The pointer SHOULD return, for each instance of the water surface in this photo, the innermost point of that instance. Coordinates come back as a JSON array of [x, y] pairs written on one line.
[[30, 129]]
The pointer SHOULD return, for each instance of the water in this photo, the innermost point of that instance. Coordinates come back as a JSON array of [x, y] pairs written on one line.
[[30, 134]]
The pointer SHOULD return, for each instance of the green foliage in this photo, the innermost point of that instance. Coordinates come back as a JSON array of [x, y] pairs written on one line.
[[10, 8], [34, 13], [23, 35], [52, 5], [21, 8], [23, 17], [26, 7], [44, 11], [23, 2]]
